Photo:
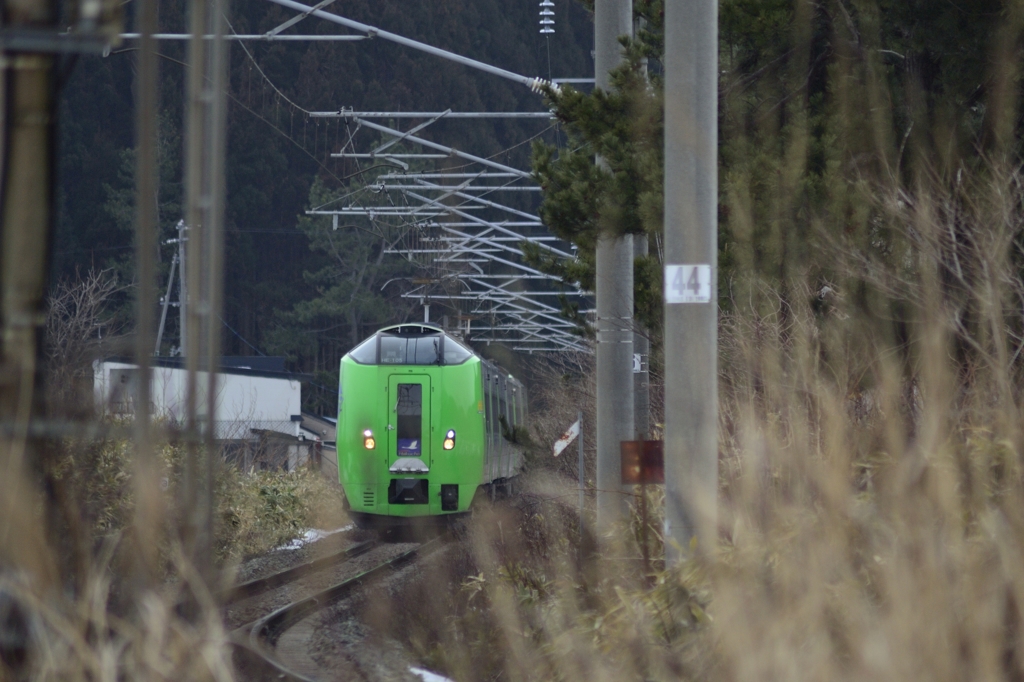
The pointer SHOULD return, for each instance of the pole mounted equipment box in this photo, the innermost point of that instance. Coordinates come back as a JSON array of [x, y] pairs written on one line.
[[643, 462]]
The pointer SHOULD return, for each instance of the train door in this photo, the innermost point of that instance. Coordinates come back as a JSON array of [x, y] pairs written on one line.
[[408, 421]]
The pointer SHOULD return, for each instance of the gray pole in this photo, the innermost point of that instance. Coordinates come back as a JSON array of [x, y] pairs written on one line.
[[612, 18], [166, 304], [216, 124], [641, 379], [580, 469], [182, 290], [148, 517], [145, 214], [641, 340], [193, 535], [691, 311], [28, 113]]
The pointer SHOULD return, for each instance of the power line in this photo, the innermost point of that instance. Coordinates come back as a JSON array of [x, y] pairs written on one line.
[[240, 337]]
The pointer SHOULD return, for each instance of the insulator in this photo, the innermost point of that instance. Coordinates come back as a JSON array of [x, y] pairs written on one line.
[[546, 25]]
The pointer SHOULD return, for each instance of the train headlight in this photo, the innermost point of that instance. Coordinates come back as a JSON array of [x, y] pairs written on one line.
[[368, 441], [449, 440]]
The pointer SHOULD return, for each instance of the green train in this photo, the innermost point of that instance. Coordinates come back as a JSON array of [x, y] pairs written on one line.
[[423, 422]]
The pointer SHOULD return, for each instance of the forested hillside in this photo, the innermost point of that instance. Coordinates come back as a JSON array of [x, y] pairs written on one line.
[[804, 118], [285, 292]]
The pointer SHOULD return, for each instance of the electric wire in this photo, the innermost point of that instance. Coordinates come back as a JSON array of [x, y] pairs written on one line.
[[381, 228], [240, 337]]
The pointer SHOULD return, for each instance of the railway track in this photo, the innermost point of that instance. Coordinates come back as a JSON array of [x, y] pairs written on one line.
[[272, 646], [258, 586]]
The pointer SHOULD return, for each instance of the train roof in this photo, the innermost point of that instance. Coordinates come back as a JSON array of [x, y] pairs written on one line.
[[368, 353], [412, 329]]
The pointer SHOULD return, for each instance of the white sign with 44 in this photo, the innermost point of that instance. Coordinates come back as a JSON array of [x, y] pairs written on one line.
[[688, 283]]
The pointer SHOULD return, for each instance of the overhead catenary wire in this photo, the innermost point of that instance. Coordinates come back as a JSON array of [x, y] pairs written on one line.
[[250, 110], [393, 229]]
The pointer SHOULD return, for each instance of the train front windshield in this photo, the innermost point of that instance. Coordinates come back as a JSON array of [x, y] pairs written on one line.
[[407, 349]]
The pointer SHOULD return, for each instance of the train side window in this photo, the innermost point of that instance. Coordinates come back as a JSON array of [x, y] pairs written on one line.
[[454, 352], [366, 352], [392, 350], [503, 404]]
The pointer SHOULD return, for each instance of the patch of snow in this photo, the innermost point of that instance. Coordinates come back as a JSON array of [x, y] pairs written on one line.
[[428, 676], [311, 536]]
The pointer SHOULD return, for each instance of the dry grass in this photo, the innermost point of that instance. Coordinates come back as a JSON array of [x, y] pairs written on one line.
[[83, 604], [871, 497], [871, 506], [871, 516], [261, 510]]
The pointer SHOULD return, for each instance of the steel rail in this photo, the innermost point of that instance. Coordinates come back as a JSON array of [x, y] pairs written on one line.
[[364, 155], [261, 585], [478, 188], [259, 638], [414, 129], [519, 296], [439, 147], [342, 113], [503, 261], [556, 322], [501, 239], [486, 202], [251, 36], [431, 176], [483, 223], [503, 223], [297, 18]]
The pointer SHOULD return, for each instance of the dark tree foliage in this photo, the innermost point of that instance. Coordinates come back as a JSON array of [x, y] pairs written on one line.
[[623, 193], [816, 101], [284, 285]]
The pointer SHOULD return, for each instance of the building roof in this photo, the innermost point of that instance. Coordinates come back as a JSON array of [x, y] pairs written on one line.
[[267, 366]]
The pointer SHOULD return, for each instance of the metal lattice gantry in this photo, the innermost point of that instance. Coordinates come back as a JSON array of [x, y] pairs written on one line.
[[472, 240], [458, 224]]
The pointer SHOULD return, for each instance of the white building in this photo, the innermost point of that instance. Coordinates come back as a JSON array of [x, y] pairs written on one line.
[[256, 401]]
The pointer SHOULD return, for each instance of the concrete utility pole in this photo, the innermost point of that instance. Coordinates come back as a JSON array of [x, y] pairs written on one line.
[[641, 375], [612, 18], [149, 511], [182, 289], [641, 338], [145, 211], [26, 220], [202, 272], [691, 248]]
